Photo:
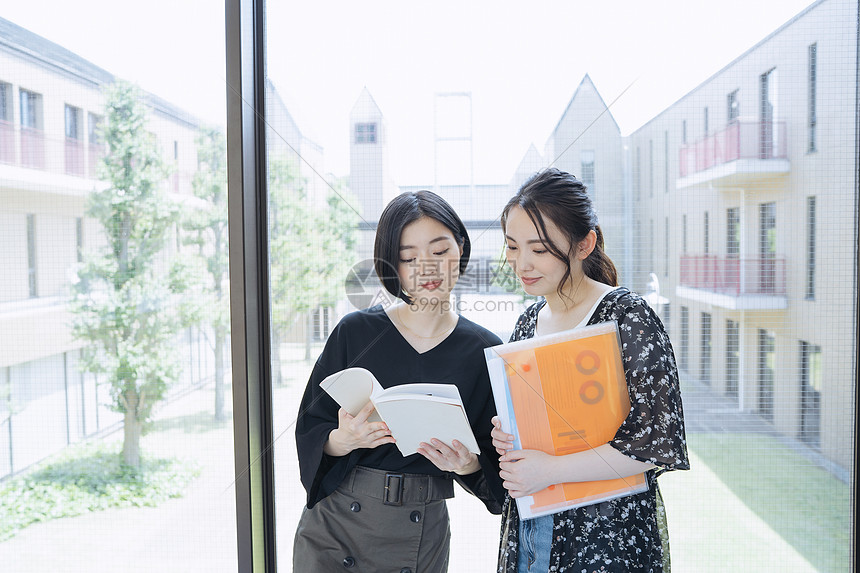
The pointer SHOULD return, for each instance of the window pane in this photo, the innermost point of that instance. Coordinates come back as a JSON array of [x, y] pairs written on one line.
[[115, 409], [728, 249]]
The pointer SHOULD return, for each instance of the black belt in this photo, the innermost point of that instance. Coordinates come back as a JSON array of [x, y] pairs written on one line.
[[396, 488]]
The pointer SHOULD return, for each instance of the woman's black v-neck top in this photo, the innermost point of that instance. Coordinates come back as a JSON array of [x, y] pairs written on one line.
[[368, 339]]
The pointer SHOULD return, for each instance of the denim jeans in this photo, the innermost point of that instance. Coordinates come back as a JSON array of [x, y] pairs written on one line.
[[535, 542]]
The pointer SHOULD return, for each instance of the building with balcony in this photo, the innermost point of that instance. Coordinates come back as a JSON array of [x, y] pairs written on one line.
[[51, 108], [734, 211], [744, 207]]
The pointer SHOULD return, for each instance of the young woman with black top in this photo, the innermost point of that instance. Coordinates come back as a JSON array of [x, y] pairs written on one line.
[[368, 507]]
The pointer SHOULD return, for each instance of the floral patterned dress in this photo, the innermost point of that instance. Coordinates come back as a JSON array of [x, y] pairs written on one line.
[[626, 534]]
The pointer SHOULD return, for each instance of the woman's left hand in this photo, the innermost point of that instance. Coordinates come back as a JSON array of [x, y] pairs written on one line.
[[525, 472], [457, 459]]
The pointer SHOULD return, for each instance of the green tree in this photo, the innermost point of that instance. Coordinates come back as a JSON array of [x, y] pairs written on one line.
[[312, 247], [208, 226], [128, 301]]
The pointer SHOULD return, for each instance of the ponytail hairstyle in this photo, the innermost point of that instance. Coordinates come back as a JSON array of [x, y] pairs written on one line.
[[561, 198]]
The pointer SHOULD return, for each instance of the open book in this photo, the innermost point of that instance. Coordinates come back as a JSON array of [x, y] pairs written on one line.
[[563, 393], [414, 413]]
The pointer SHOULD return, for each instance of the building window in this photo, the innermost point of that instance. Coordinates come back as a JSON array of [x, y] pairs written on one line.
[[73, 120], [733, 110], [94, 123], [665, 162], [733, 357], [31, 255], [667, 317], [766, 373], [7, 131], [684, 233], [707, 231], [810, 248], [767, 247], [706, 122], [175, 150], [638, 173], [685, 337], [768, 144], [705, 367], [813, 94], [810, 393], [684, 132], [79, 238], [31, 109], [5, 102], [586, 162], [651, 167], [733, 233], [365, 133], [666, 247], [651, 245]]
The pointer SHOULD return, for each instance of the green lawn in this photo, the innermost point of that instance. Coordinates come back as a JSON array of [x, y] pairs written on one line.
[[750, 503]]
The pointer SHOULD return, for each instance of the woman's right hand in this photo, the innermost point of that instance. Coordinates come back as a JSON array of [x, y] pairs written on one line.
[[503, 442], [355, 432]]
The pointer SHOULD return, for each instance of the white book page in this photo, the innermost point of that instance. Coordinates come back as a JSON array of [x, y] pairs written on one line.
[[447, 392], [413, 420], [351, 389]]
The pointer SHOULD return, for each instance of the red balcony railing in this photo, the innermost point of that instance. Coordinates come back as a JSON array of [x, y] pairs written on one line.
[[739, 140], [734, 276], [74, 157], [32, 148], [7, 142]]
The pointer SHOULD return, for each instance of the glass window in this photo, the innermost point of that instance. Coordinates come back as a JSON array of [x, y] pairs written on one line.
[[5, 102], [705, 367], [740, 307], [685, 337], [31, 255], [810, 247], [586, 162], [733, 341], [813, 96], [31, 109], [115, 406], [72, 116], [365, 133], [766, 373], [810, 393], [734, 106], [733, 232]]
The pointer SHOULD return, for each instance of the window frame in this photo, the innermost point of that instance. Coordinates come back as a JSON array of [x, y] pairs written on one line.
[[249, 285]]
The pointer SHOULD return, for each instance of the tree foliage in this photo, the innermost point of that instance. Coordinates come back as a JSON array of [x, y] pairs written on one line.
[[312, 246], [208, 226], [128, 301]]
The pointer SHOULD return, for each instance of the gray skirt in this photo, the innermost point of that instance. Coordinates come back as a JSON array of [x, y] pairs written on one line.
[[377, 522]]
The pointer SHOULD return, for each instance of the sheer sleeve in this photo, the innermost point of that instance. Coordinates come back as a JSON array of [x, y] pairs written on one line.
[[653, 432], [320, 473]]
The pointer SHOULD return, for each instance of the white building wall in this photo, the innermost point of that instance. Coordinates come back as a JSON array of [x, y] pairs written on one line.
[[827, 173]]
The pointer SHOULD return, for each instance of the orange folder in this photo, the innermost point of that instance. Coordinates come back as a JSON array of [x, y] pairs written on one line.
[[564, 393]]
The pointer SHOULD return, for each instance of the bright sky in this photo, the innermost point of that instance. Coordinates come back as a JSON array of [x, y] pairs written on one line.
[[520, 61]]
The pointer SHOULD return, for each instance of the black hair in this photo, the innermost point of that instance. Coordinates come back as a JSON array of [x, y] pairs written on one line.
[[401, 211], [563, 199]]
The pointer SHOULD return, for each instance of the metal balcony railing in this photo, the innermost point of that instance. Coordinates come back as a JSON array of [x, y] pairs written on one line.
[[734, 276], [739, 140], [74, 157], [7, 142], [32, 148]]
